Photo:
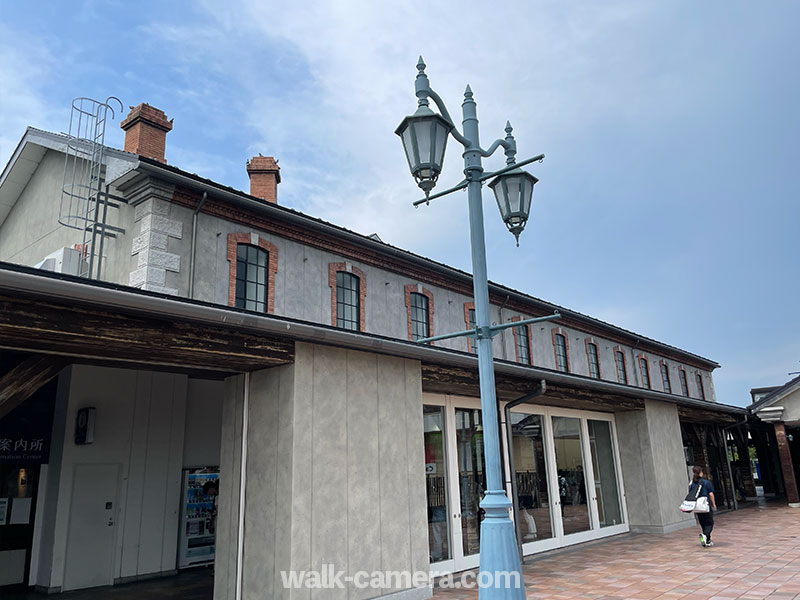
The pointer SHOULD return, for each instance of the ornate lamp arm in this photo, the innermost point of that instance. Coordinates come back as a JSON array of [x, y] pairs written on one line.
[[424, 91]]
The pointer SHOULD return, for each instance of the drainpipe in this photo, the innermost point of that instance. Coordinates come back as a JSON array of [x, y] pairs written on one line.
[[728, 458], [242, 490], [509, 439], [194, 244]]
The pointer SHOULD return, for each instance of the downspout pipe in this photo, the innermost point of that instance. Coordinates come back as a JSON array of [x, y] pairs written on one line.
[[194, 244], [509, 439], [728, 458]]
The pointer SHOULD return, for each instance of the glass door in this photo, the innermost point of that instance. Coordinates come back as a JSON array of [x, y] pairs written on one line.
[[530, 470], [607, 497], [571, 475], [436, 484], [471, 483]]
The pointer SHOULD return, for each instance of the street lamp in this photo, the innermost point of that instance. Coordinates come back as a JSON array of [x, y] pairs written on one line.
[[424, 136]]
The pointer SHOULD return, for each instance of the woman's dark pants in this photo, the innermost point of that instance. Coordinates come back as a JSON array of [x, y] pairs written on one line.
[[707, 523]]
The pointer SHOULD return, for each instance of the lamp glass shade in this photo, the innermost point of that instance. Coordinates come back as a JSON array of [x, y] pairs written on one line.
[[424, 136], [513, 192]]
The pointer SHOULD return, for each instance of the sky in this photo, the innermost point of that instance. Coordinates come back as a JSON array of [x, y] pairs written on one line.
[[668, 200]]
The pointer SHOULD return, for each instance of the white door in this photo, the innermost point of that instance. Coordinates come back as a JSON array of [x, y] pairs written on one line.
[[455, 473], [92, 526], [569, 488]]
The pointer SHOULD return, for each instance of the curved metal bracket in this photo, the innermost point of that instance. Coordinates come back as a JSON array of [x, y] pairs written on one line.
[[495, 145], [443, 109]]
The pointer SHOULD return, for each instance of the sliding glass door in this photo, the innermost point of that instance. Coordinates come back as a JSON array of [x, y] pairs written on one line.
[[564, 464]]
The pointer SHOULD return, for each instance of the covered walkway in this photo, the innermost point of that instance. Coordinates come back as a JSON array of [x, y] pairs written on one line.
[[756, 554]]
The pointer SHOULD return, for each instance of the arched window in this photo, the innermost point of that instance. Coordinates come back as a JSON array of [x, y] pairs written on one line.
[[560, 347], [622, 372], [348, 301]]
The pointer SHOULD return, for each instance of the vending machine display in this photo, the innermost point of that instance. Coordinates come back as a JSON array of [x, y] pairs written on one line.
[[198, 517]]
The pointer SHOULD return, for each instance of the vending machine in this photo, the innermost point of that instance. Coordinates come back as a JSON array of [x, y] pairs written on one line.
[[198, 517]]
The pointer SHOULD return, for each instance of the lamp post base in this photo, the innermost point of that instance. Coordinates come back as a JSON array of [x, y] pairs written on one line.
[[500, 576]]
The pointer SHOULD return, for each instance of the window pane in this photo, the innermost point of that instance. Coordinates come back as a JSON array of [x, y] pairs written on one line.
[[347, 301], [605, 473], [594, 365], [622, 374], [436, 483], [562, 363], [665, 379], [571, 482], [645, 373], [523, 344], [530, 471]]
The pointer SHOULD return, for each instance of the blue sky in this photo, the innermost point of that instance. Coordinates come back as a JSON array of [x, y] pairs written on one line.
[[668, 202]]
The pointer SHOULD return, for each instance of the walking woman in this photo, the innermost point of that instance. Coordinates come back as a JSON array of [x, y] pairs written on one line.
[[706, 519]]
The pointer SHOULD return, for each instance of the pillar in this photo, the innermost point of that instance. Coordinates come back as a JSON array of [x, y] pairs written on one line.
[[787, 467]]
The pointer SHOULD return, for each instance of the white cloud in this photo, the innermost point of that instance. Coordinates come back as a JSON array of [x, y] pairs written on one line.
[[25, 70]]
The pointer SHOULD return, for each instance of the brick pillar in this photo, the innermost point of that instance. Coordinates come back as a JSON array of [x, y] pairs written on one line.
[[786, 465], [265, 175], [146, 130]]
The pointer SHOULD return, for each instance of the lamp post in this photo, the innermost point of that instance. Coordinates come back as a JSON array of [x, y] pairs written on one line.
[[424, 136]]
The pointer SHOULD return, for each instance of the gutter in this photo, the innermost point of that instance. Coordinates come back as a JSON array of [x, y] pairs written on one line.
[[243, 199], [56, 286]]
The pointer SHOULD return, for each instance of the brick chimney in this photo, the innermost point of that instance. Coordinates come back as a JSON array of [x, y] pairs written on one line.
[[146, 130], [265, 175]]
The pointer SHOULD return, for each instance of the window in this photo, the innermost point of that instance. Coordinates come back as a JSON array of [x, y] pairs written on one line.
[[622, 372], [684, 383], [348, 305], [560, 345], [700, 389], [522, 342], [472, 346], [420, 311], [665, 378], [645, 369], [252, 280], [594, 362]]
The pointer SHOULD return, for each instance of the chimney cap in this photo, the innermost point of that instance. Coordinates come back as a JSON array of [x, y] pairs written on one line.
[[264, 164], [149, 114]]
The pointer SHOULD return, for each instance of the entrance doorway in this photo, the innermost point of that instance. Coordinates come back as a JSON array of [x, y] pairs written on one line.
[[566, 465]]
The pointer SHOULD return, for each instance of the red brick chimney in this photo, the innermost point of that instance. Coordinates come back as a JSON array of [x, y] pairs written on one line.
[[265, 175], [146, 130]]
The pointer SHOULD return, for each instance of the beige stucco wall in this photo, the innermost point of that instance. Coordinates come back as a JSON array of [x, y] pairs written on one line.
[[334, 473], [653, 467]]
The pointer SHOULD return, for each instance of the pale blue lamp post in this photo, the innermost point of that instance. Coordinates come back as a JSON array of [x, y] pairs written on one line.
[[424, 136]]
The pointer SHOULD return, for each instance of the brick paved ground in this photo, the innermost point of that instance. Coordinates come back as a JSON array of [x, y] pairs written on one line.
[[756, 554]]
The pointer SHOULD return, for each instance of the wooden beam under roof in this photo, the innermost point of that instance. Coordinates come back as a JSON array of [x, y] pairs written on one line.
[[26, 378], [457, 380], [43, 326]]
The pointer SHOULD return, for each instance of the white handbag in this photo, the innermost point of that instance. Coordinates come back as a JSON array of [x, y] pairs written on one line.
[[697, 504]]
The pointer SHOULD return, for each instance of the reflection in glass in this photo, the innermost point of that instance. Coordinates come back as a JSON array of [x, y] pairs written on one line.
[[571, 483], [531, 475], [436, 483], [471, 476], [605, 473]]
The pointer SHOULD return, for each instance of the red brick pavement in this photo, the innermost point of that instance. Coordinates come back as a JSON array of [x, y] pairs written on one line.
[[756, 554]]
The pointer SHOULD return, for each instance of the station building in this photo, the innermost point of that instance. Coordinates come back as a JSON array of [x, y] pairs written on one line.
[[226, 331]]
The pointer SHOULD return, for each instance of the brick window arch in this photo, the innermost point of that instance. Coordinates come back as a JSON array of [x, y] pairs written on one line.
[[622, 369], [469, 321], [252, 239], [561, 349], [344, 267], [523, 342], [416, 288], [644, 370], [593, 357]]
